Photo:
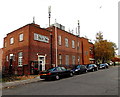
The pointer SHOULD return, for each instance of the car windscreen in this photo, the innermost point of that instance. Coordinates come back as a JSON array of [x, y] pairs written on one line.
[[101, 64], [90, 66]]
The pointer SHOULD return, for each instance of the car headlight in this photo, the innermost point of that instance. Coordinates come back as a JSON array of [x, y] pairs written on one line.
[[76, 70]]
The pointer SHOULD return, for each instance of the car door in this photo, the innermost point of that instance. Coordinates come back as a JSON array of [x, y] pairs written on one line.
[[64, 71], [82, 68]]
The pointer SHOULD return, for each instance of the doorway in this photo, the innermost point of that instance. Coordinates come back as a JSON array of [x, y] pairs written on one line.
[[41, 63], [11, 63]]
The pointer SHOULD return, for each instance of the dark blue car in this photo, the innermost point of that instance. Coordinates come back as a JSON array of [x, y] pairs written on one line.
[[102, 66], [78, 69], [92, 67]]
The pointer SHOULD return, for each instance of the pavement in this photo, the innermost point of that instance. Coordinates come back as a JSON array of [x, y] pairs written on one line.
[[20, 82]]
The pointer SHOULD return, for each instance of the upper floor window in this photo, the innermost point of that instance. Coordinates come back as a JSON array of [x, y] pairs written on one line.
[[21, 37], [73, 44], [11, 40], [78, 45], [59, 40], [91, 50], [66, 42]]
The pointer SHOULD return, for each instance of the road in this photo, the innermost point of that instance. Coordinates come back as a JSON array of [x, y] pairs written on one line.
[[102, 82]]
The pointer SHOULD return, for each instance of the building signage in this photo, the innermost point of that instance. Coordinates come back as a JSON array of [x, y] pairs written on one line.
[[41, 38]]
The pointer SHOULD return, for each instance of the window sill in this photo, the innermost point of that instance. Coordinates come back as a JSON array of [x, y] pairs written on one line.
[[20, 65]]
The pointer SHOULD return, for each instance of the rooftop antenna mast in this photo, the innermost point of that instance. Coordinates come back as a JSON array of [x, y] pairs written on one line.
[[49, 13], [33, 20], [78, 28]]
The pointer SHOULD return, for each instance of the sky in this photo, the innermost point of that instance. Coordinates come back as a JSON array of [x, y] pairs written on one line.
[[94, 16]]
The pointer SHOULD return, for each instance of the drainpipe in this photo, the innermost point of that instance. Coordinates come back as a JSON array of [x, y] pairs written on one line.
[[82, 54], [56, 42], [51, 49]]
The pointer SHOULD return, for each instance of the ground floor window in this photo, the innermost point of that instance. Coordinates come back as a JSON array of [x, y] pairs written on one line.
[[73, 60], [60, 59], [20, 58], [67, 59], [78, 59]]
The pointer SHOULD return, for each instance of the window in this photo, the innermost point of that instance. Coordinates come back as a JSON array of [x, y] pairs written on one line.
[[78, 59], [11, 40], [73, 44], [78, 46], [7, 58], [66, 42], [20, 56], [59, 40], [63, 68], [67, 59], [11, 56], [60, 59], [91, 50], [86, 53], [73, 60], [59, 68], [21, 37]]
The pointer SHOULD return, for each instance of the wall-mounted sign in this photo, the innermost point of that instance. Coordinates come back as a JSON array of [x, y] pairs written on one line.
[[41, 38]]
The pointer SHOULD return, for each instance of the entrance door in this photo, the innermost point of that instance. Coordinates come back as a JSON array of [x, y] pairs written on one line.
[[41, 63], [10, 63]]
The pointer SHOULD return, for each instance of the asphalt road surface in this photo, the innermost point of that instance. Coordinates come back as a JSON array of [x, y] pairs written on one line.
[[102, 82]]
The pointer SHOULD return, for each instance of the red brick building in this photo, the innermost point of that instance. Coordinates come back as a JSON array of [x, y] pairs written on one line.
[[1, 53], [31, 48]]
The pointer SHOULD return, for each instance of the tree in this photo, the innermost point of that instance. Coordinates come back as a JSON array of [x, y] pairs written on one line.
[[104, 50]]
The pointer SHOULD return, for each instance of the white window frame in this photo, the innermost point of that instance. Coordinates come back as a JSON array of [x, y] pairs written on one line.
[[20, 59], [66, 42], [59, 40], [21, 37], [60, 59], [7, 58], [67, 59], [73, 44], [11, 40], [73, 60]]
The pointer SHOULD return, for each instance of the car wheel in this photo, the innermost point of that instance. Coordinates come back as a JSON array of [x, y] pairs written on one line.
[[86, 71], [93, 70], [57, 77], [71, 74], [96, 69]]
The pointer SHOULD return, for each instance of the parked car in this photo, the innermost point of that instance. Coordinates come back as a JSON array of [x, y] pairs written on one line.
[[56, 73], [79, 69], [106, 65], [92, 67], [101, 66]]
